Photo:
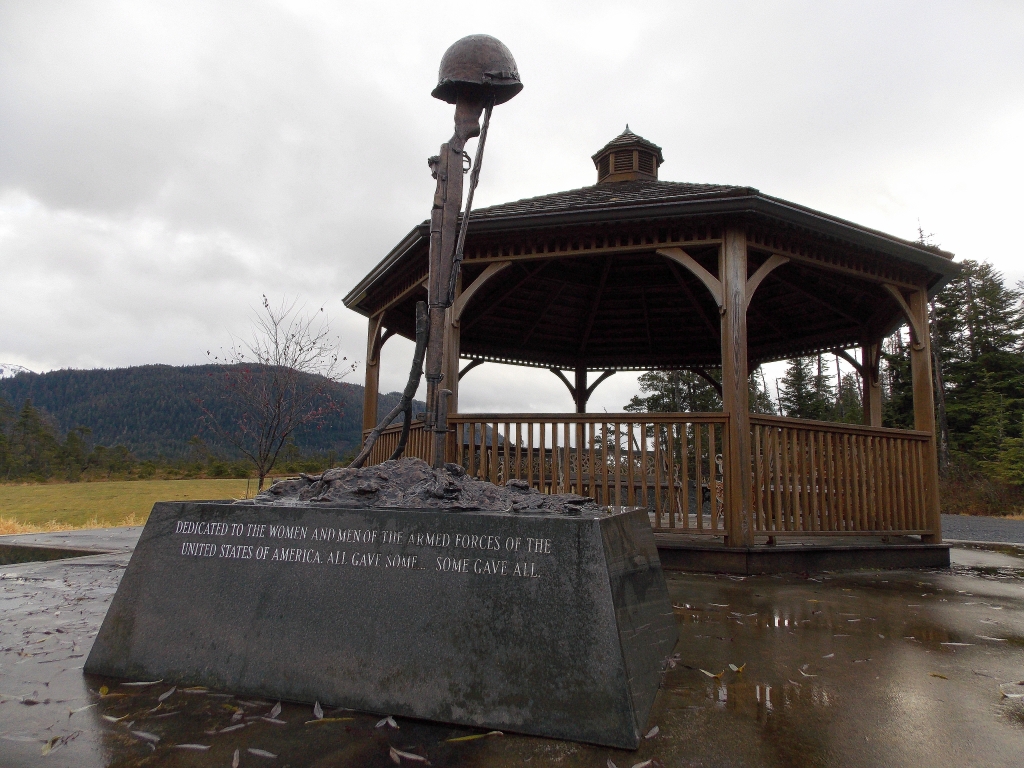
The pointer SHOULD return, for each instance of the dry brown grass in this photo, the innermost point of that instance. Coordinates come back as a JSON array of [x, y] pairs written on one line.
[[63, 506], [10, 526]]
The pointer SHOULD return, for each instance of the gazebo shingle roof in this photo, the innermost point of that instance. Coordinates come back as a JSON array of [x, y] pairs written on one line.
[[601, 196]]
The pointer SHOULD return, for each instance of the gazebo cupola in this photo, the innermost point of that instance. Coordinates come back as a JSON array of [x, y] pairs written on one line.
[[628, 157]]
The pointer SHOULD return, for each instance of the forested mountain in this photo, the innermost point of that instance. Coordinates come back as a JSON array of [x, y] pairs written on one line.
[[155, 411]]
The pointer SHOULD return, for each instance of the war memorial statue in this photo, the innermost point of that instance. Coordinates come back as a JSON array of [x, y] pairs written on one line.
[[410, 588]]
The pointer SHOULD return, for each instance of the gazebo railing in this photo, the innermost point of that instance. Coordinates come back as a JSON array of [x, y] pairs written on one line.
[[807, 477], [669, 462], [812, 477]]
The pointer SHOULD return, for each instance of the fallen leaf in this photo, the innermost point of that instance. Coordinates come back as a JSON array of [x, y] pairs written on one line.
[[329, 720], [713, 676], [262, 753], [994, 639], [166, 694], [653, 732], [957, 645], [235, 759], [275, 711], [805, 674], [738, 669], [644, 764], [389, 720], [474, 737], [396, 754], [146, 735], [196, 747], [110, 719], [140, 684], [104, 690], [48, 746], [80, 709], [318, 711], [610, 764], [936, 674], [828, 656], [275, 721], [231, 728]]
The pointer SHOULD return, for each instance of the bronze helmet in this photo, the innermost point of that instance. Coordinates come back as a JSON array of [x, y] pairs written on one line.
[[479, 63]]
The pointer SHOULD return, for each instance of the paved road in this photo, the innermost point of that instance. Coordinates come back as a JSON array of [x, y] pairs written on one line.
[[996, 529]]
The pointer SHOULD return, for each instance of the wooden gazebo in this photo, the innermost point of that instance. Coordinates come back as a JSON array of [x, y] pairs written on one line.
[[634, 273]]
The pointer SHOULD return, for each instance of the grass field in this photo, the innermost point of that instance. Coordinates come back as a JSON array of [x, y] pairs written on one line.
[[62, 506]]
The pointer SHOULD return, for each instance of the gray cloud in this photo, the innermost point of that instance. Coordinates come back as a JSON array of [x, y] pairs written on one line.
[[163, 164]]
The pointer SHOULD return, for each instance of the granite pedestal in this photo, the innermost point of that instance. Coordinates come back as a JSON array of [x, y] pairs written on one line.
[[549, 625]]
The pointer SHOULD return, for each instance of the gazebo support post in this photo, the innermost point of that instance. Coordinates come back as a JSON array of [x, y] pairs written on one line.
[[372, 381], [579, 392], [732, 272], [871, 353], [924, 406]]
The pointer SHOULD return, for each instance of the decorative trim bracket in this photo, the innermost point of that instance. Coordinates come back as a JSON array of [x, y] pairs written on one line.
[[774, 261], [467, 293], [916, 330], [683, 259]]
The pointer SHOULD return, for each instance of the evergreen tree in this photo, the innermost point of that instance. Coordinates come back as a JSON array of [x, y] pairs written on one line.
[[848, 406], [979, 328], [806, 391], [897, 383], [675, 392]]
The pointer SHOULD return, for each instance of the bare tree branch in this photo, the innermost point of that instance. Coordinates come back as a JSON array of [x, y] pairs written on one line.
[[279, 380]]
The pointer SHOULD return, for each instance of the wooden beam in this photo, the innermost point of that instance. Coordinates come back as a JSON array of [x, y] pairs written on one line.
[[371, 382], [871, 401], [774, 261], [736, 389], [460, 303], [924, 409], [611, 250], [682, 258], [595, 306], [827, 264]]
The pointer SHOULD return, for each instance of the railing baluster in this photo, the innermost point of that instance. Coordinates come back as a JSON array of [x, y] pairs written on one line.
[[698, 472], [813, 478], [683, 505], [658, 473], [643, 466]]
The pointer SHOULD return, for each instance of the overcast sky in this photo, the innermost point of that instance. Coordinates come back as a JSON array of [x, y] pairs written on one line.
[[162, 165]]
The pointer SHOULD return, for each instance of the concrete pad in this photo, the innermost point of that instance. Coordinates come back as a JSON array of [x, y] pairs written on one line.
[[857, 669]]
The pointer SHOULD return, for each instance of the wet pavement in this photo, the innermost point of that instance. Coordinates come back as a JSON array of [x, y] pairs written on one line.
[[869, 668]]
